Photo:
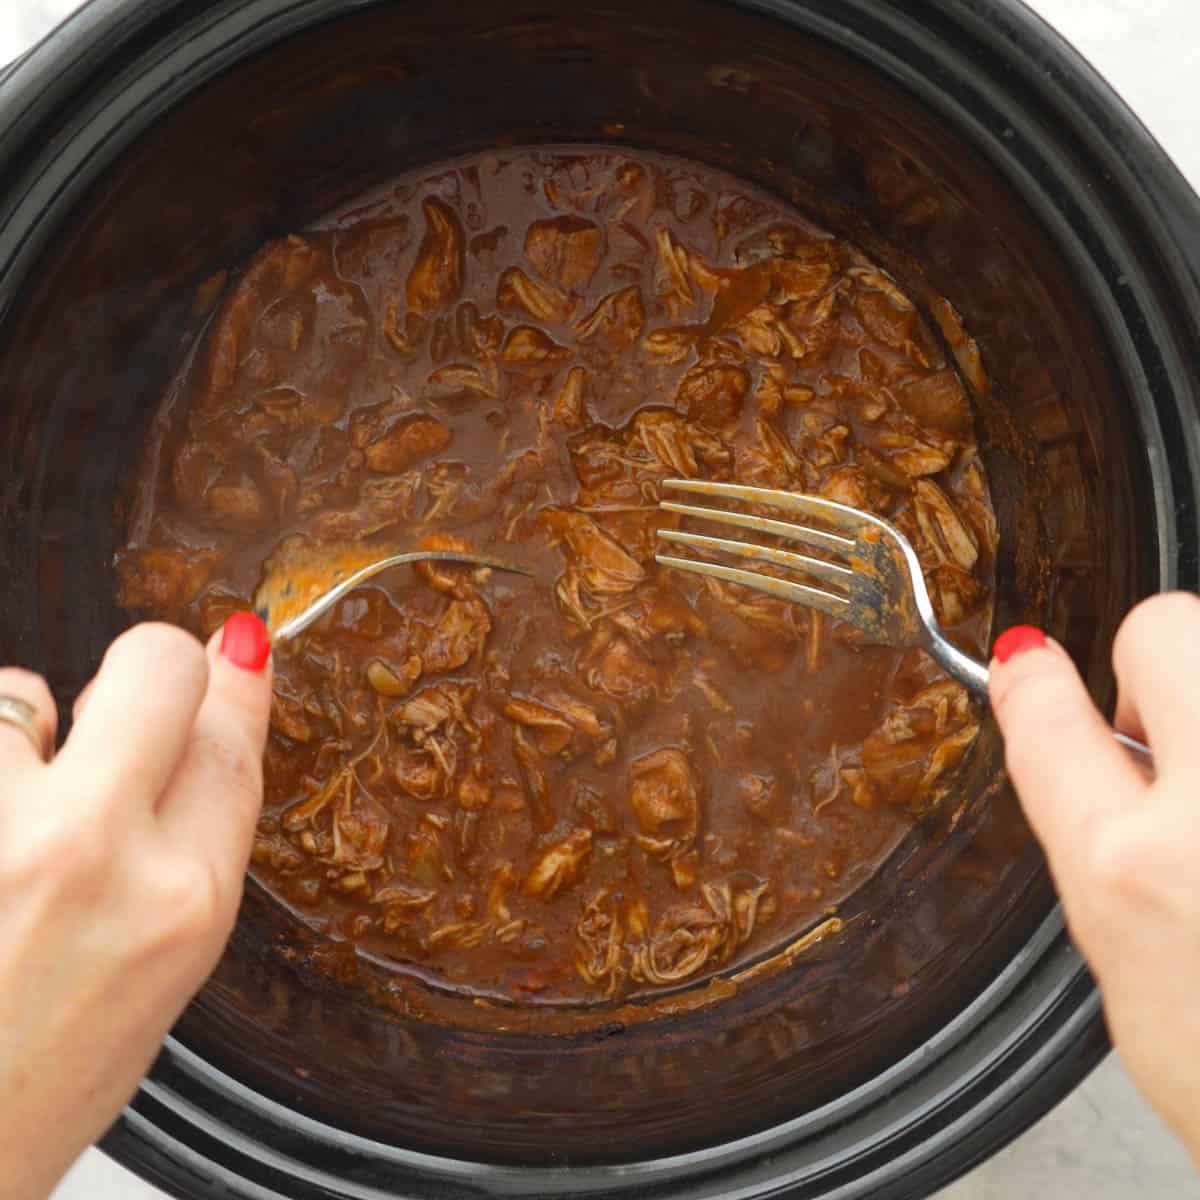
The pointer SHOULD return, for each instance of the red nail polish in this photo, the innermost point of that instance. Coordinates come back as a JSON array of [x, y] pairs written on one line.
[[246, 642], [1017, 640]]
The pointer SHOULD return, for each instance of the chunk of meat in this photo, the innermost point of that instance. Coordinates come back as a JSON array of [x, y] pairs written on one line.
[[440, 705], [552, 731], [616, 322], [663, 795], [217, 603], [565, 250], [885, 319], [451, 579], [689, 937], [976, 505], [534, 772], [425, 859], [569, 410], [915, 458], [956, 593], [811, 328], [479, 336], [600, 945], [605, 569], [670, 345], [437, 276], [370, 422], [770, 461], [542, 301], [672, 282], [937, 401], [381, 502], [400, 903], [358, 839], [795, 279], [407, 443], [759, 794], [558, 866], [944, 531], [474, 794], [678, 446], [459, 634], [405, 331], [236, 504], [849, 485], [312, 806], [161, 580], [582, 716], [394, 681], [918, 743], [288, 716], [555, 723], [713, 395], [457, 384], [419, 774], [774, 621], [964, 347], [276, 479], [665, 611], [297, 412], [613, 667], [531, 349], [758, 331]]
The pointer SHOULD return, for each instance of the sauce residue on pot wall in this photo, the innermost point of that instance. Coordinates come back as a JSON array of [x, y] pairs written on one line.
[[610, 779]]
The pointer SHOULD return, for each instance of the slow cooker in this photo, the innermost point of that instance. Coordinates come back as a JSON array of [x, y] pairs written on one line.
[[147, 144]]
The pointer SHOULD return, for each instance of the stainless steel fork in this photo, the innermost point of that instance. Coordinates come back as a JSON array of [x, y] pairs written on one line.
[[871, 577]]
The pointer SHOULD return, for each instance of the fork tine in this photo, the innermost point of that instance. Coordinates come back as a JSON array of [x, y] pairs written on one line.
[[841, 516], [817, 568], [783, 529], [783, 589]]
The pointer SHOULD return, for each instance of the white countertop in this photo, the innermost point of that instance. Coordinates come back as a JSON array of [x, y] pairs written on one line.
[[1102, 1143]]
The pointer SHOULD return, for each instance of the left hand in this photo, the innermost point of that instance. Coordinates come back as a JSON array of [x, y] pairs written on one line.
[[121, 867]]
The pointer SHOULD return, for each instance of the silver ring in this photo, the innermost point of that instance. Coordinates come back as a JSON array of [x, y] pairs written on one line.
[[23, 716]]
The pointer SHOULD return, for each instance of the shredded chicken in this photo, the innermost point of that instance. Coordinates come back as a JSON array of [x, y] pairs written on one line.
[[605, 777]]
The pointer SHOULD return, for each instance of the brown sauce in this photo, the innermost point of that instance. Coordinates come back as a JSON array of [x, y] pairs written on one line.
[[611, 778]]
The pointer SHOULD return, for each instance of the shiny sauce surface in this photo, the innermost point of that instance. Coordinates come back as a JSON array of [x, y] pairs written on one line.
[[609, 778]]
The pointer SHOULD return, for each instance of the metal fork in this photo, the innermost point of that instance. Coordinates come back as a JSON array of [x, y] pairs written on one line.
[[872, 578], [324, 600]]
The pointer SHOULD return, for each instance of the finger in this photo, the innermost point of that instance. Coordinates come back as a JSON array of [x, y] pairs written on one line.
[[214, 799], [16, 746], [138, 719], [1156, 657], [81, 700], [1069, 772]]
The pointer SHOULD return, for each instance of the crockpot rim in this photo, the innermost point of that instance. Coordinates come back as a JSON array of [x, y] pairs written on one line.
[[1062, 1044]]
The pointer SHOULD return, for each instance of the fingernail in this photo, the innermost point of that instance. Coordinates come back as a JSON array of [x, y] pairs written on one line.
[[246, 642], [1017, 640]]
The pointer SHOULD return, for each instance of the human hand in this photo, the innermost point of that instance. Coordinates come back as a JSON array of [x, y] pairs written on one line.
[[121, 865], [1123, 848]]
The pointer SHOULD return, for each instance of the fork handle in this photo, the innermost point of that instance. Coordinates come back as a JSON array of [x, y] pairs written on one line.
[[973, 675]]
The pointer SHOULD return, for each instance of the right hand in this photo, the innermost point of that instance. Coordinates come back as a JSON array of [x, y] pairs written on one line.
[[1124, 849]]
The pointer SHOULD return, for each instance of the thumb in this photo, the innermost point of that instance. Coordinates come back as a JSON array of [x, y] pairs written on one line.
[[214, 798], [1070, 774]]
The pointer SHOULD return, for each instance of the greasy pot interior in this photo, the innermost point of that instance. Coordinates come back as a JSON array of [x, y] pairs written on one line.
[[283, 138]]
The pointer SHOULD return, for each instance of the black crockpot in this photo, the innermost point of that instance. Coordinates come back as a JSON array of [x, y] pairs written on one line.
[[149, 143]]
